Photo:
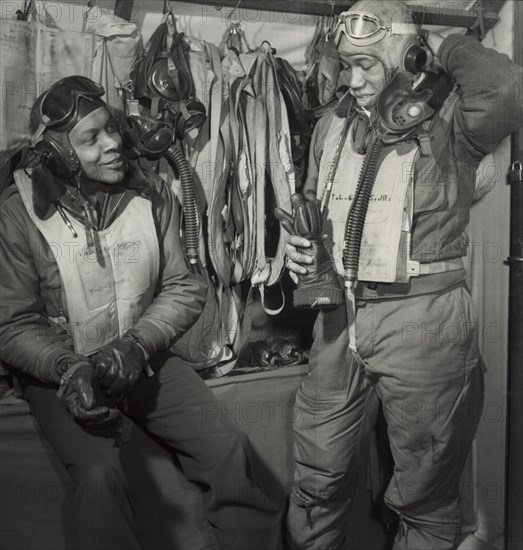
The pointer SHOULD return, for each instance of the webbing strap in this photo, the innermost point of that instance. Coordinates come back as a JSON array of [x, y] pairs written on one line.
[[225, 262], [246, 175], [242, 336], [439, 267], [203, 151], [280, 163], [350, 304], [234, 102], [216, 97], [217, 253], [265, 308], [241, 156], [261, 161], [249, 131]]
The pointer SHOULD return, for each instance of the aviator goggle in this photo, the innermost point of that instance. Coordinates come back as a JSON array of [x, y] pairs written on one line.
[[59, 105], [363, 29]]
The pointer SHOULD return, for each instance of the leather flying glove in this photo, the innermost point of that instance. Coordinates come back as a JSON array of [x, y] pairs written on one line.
[[320, 288], [78, 388], [119, 366]]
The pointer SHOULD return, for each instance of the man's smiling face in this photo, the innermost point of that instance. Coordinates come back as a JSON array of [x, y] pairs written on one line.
[[367, 77], [98, 144]]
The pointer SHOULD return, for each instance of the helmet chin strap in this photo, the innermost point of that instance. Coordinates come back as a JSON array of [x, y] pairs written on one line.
[[421, 77], [37, 136]]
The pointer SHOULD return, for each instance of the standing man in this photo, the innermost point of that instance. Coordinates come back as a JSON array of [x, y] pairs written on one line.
[[95, 288], [394, 171]]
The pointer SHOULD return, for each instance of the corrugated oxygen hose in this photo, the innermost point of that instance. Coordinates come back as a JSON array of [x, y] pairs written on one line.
[[176, 156], [358, 211]]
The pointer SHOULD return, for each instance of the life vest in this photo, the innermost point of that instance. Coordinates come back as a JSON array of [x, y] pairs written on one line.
[[106, 292], [384, 255]]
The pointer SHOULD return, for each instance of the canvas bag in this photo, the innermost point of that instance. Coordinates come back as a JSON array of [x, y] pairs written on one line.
[[116, 44], [35, 56]]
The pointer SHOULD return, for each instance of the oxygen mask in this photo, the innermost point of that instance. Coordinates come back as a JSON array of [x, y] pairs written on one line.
[[400, 110]]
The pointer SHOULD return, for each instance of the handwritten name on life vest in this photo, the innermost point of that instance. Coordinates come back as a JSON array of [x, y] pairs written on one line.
[[109, 285], [123, 252], [350, 198]]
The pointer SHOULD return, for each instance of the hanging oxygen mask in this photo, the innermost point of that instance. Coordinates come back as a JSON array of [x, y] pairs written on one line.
[[155, 139], [162, 86], [163, 82]]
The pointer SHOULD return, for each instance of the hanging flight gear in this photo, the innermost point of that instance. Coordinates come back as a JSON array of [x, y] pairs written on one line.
[[228, 227], [329, 68], [323, 64], [154, 139], [300, 125], [258, 169], [209, 341], [291, 91], [163, 82], [275, 156], [205, 344], [116, 43]]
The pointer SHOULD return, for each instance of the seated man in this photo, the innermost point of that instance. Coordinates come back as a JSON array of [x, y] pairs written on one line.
[[95, 289]]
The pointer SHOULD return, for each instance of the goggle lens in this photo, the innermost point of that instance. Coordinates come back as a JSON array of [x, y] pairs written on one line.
[[60, 102], [362, 26]]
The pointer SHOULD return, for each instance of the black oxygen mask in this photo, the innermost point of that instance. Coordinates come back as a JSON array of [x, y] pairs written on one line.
[[400, 110]]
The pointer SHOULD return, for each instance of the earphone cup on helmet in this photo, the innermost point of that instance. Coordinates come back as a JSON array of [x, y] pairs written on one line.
[[414, 58], [61, 161]]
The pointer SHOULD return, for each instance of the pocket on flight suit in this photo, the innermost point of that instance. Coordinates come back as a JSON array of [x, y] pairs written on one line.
[[468, 326], [329, 360], [472, 387]]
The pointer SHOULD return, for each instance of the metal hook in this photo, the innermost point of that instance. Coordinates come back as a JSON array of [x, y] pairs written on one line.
[[170, 18], [330, 21], [234, 33], [480, 21], [229, 17], [419, 20], [332, 9], [235, 28]]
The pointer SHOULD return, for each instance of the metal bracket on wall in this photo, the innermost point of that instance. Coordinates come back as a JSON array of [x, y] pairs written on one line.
[[436, 14]]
